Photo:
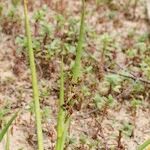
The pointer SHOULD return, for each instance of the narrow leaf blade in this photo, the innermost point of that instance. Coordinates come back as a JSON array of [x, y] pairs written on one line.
[[4, 130]]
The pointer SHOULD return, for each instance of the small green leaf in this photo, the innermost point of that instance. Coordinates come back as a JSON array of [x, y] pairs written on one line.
[[39, 15], [113, 79], [127, 129], [46, 113], [99, 101], [111, 101], [135, 103]]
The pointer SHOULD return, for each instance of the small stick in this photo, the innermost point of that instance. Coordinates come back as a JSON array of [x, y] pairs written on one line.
[[121, 74], [119, 146], [128, 76]]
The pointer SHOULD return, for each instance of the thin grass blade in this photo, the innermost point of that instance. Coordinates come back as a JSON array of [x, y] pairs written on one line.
[[144, 145], [5, 129]]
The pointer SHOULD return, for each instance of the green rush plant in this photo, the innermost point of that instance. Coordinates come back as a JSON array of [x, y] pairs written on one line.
[[77, 65], [144, 145], [34, 80], [62, 122], [5, 129]]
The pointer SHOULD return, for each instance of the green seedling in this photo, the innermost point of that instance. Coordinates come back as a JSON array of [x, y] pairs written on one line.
[[106, 42], [46, 114], [85, 140], [135, 103], [13, 14], [39, 15], [127, 129], [46, 29], [34, 80], [99, 101], [71, 141], [77, 65], [22, 44], [102, 102], [114, 81], [60, 21]]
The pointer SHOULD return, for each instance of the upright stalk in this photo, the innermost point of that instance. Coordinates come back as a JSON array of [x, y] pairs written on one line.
[[77, 65], [61, 113], [34, 80], [63, 122]]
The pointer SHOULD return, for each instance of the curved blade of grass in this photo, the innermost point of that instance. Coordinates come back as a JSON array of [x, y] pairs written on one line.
[[5, 129], [77, 65], [34, 80], [144, 145]]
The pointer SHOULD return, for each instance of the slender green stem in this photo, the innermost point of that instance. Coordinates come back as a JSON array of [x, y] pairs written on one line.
[[77, 65], [144, 145], [62, 123], [34, 80], [63, 139], [61, 113]]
